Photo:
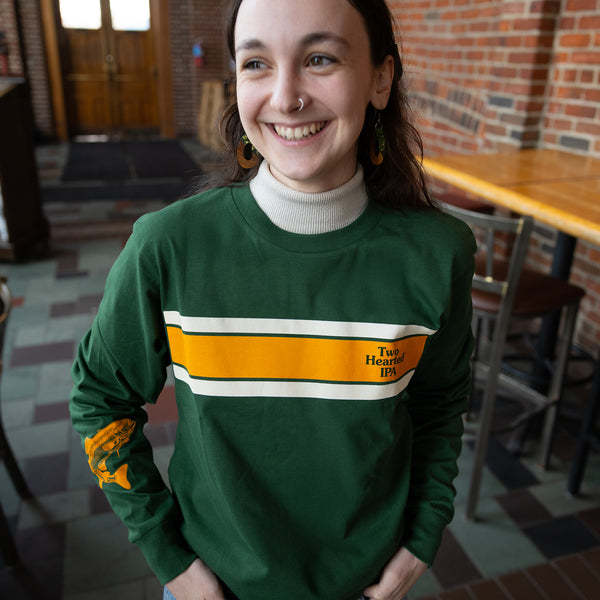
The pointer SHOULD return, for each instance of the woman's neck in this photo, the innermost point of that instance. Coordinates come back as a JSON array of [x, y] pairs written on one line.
[[301, 212]]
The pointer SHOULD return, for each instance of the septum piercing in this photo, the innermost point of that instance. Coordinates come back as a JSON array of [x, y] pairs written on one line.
[[301, 104]]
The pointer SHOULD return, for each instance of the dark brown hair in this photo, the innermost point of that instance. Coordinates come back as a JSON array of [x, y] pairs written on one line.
[[399, 181]]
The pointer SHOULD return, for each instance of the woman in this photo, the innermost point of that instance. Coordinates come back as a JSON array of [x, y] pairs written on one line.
[[316, 310]]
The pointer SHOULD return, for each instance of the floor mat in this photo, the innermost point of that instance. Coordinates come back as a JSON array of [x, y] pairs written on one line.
[[121, 161], [169, 191]]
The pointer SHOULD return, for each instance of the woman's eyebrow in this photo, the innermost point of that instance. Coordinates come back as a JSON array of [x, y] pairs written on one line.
[[324, 36], [250, 44]]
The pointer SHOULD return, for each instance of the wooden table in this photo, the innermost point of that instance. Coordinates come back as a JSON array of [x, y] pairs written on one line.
[[556, 188]]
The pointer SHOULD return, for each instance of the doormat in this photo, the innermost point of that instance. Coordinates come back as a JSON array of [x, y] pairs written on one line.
[[135, 170], [123, 161]]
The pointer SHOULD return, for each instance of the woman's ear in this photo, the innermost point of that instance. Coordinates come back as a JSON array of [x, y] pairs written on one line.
[[384, 78]]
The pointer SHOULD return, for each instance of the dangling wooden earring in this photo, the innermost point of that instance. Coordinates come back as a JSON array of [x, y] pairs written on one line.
[[247, 155], [378, 143]]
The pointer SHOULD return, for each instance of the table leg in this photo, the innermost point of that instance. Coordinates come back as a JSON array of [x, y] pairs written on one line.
[[561, 268]]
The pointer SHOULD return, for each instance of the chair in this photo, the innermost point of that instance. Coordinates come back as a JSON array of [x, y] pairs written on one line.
[[7, 544], [504, 290], [462, 201]]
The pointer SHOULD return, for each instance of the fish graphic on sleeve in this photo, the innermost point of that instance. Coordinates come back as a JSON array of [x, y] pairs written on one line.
[[103, 445]]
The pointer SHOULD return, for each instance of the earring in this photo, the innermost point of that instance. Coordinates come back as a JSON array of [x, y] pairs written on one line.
[[247, 155], [378, 143]]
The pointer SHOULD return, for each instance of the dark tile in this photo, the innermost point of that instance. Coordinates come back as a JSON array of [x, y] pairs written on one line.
[[452, 567], [98, 501], [41, 544], [592, 519], [44, 353], [563, 446], [523, 508], [46, 474], [507, 468], [580, 576], [158, 435], [520, 587], [165, 409], [75, 274], [551, 582], [26, 582], [488, 590], [88, 303], [62, 309], [592, 559], [45, 413], [67, 262], [563, 536]]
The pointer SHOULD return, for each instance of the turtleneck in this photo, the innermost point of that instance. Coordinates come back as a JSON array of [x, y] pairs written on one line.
[[306, 213]]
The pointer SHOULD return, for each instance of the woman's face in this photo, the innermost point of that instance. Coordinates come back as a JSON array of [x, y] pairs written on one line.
[[317, 50]]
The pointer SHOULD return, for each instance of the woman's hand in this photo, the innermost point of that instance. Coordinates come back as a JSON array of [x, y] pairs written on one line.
[[399, 575], [197, 582]]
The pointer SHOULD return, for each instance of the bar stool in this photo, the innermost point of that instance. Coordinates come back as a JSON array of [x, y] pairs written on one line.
[[7, 544], [503, 290]]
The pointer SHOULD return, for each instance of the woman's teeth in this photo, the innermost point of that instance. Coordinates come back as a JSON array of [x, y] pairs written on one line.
[[299, 133]]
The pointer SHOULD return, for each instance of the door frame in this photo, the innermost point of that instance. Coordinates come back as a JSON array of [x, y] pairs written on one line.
[[159, 15]]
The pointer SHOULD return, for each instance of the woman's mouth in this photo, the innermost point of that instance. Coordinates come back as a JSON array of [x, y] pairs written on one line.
[[297, 134]]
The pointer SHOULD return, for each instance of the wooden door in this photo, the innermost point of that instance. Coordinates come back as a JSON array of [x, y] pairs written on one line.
[[109, 68]]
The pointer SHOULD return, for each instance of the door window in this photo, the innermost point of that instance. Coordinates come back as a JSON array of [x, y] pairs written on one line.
[[80, 14], [133, 15]]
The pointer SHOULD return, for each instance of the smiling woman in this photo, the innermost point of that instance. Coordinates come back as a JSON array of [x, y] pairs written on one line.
[[315, 308]]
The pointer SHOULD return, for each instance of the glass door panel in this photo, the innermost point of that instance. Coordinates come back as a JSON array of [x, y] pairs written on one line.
[[133, 15], [80, 14]]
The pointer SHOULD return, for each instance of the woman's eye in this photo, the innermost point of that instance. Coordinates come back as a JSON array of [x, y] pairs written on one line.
[[253, 65], [318, 60]]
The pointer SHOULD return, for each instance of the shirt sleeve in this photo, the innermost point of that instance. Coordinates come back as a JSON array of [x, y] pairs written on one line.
[[438, 397], [120, 365]]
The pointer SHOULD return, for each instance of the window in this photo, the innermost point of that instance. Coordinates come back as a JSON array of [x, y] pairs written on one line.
[[80, 14], [133, 15]]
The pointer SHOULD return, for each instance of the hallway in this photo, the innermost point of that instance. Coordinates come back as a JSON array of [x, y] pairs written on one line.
[[533, 542]]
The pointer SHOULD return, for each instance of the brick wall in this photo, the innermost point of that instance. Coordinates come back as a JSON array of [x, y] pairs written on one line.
[[8, 24], [572, 117], [191, 20], [37, 68], [489, 75]]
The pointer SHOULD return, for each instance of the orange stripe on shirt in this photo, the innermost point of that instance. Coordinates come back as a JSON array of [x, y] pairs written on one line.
[[294, 358]]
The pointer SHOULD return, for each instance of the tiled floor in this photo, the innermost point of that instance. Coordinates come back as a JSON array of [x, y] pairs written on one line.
[[531, 541]]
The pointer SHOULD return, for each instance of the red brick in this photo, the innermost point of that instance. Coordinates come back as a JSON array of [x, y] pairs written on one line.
[[589, 129], [581, 5], [586, 58], [575, 40], [586, 112], [589, 22]]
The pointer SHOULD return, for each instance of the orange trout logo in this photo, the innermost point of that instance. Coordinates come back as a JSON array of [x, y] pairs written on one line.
[[103, 445]]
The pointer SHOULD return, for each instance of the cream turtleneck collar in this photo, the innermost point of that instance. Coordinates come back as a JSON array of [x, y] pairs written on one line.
[[301, 212]]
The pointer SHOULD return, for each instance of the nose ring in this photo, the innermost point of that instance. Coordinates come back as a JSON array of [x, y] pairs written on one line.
[[301, 104]]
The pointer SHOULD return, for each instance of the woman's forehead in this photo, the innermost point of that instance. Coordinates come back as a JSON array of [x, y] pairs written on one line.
[[266, 21]]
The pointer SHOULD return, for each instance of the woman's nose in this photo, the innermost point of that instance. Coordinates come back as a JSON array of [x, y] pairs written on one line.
[[286, 92]]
